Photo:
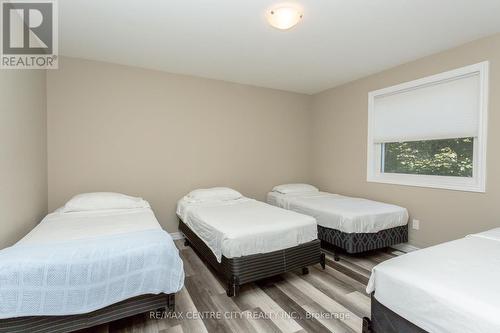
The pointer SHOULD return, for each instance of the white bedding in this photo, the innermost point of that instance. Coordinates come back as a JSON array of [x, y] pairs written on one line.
[[74, 263], [452, 287], [245, 226], [347, 214], [71, 226]]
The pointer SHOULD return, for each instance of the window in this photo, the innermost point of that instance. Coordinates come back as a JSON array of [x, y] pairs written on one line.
[[446, 157], [431, 132]]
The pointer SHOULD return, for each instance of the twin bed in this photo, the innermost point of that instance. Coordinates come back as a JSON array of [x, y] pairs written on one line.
[[100, 258], [451, 287], [353, 225], [246, 240]]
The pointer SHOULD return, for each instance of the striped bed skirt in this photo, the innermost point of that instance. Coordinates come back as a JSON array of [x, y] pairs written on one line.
[[362, 242], [70, 323]]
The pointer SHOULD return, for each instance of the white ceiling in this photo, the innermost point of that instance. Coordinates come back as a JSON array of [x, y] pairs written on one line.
[[337, 41]]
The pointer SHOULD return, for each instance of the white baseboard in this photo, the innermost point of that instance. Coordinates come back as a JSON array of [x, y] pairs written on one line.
[[177, 235], [405, 247]]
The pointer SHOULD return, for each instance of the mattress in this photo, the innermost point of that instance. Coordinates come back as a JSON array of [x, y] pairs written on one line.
[[74, 263], [245, 226], [451, 287], [84, 225], [346, 214]]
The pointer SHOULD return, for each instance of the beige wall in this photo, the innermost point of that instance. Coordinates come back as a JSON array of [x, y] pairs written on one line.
[[159, 135], [339, 128], [23, 153]]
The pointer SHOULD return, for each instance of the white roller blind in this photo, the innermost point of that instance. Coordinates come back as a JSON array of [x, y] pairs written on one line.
[[441, 110]]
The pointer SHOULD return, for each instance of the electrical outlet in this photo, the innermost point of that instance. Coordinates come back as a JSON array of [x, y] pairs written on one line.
[[416, 224]]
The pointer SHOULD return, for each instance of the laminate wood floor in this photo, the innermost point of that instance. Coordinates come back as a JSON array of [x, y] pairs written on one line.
[[330, 300]]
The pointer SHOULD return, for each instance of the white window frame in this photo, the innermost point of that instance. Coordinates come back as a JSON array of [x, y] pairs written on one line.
[[476, 183]]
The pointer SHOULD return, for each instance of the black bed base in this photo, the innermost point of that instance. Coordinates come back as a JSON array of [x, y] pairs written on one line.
[[70, 323], [238, 271], [385, 320], [352, 243]]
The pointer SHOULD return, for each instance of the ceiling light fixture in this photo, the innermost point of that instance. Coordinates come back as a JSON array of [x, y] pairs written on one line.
[[284, 17]]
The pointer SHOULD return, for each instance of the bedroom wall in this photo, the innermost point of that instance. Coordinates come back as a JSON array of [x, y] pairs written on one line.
[[339, 144], [158, 135], [23, 153]]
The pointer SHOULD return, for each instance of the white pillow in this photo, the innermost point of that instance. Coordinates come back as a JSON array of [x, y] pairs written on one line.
[[103, 200], [213, 194], [295, 188]]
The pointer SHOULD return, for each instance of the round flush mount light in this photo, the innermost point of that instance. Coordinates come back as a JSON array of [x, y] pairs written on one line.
[[284, 17]]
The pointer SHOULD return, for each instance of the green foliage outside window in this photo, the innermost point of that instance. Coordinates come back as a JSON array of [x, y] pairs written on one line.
[[449, 157]]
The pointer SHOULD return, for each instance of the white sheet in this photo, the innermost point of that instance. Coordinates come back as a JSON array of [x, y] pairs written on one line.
[[245, 226], [343, 213], [452, 287], [76, 263], [60, 226]]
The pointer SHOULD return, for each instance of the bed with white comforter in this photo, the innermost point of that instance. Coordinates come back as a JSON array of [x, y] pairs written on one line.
[[240, 227], [77, 262], [346, 214], [451, 287]]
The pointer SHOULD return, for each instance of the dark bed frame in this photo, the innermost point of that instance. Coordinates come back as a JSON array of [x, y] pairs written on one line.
[[384, 320], [352, 243], [70, 323], [238, 271]]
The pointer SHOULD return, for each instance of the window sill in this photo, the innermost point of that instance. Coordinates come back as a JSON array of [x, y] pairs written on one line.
[[439, 182]]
